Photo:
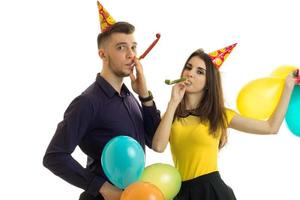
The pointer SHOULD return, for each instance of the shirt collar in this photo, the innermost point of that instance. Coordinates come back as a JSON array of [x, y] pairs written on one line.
[[108, 89]]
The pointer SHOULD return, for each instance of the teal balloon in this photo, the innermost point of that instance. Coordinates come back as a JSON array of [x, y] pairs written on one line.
[[123, 161], [292, 117]]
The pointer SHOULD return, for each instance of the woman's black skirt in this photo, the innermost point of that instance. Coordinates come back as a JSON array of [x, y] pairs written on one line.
[[86, 196], [207, 187]]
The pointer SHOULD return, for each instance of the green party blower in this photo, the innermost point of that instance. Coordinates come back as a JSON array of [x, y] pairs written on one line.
[[169, 82]]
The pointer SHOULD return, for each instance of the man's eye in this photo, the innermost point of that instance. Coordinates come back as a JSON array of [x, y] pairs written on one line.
[[120, 47]]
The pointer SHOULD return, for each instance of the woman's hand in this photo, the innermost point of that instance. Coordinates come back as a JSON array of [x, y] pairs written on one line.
[[290, 80], [178, 91], [293, 78], [272, 125]]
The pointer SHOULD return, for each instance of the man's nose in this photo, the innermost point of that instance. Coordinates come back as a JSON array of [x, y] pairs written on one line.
[[131, 54]]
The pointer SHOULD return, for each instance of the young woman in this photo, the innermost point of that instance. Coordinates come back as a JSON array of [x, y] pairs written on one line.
[[195, 124]]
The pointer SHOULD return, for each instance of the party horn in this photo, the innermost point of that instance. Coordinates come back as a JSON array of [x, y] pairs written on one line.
[[169, 82], [150, 47]]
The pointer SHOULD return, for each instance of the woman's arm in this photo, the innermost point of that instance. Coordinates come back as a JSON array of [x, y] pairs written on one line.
[[162, 133], [272, 125]]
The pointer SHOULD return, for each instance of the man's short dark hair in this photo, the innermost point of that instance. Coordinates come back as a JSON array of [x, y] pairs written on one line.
[[119, 27]]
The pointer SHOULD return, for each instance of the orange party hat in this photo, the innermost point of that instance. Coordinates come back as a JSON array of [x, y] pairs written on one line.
[[106, 20], [219, 56]]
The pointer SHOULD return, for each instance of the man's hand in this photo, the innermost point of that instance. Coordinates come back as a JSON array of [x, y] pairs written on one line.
[[138, 82], [110, 192]]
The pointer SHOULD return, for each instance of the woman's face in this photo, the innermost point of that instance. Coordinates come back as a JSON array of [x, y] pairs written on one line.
[[195, 72]]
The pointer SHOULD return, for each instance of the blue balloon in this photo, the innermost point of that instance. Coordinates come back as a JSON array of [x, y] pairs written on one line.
[[292, 117], [123, 161]]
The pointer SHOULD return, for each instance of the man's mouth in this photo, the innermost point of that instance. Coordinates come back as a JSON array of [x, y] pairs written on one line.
[[130, 66]]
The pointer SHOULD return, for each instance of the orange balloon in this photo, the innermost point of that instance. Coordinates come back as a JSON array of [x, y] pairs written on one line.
[[142, 191]]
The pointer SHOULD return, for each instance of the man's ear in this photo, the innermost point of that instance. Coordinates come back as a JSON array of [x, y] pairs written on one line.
[[102, 54]]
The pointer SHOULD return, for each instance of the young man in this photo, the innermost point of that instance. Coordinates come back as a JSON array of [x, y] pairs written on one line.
[[103, 111]]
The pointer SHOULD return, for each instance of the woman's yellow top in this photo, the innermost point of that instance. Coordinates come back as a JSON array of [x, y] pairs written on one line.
[[194, 150]]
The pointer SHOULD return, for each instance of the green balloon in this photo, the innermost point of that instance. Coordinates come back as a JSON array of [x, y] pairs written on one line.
[[165, 177]]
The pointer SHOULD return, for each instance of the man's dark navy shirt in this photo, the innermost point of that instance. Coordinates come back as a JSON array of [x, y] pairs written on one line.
[[99, 114]]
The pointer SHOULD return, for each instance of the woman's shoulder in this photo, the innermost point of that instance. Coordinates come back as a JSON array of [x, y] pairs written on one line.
[[230, 113], [229, 110]]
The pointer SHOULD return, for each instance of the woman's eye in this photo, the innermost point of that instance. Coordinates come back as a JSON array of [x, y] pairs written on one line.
[[200, 72], [188, 67]]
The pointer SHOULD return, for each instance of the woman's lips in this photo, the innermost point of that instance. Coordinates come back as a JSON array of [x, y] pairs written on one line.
[[188, 82]]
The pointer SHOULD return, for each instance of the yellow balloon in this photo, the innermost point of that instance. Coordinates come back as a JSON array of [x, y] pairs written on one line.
[[259, 98], [283, 71]]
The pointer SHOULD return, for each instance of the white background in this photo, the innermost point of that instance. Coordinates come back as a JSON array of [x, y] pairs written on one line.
[[48, 56]]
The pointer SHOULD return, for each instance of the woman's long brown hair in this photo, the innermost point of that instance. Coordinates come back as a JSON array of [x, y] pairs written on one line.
[[211, 107]]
